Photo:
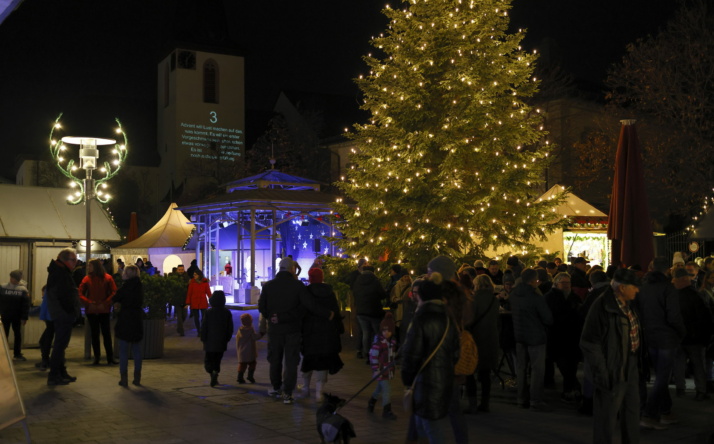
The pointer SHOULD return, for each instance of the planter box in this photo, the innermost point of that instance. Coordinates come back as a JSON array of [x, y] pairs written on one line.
[[152, 344]]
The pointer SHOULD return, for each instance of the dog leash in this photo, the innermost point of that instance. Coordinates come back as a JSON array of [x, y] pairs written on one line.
[[374, 378]]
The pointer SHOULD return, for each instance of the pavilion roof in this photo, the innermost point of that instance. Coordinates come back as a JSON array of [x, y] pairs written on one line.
[[273, 179]]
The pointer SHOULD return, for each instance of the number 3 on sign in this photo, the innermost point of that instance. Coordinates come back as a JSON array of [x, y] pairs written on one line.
[[214, 117]]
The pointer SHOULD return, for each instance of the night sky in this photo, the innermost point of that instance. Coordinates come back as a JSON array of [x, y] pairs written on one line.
[[96, 59]]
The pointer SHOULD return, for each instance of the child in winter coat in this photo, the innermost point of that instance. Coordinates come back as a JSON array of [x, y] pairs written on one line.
[[381, 358], [246, 348], [216, 331]]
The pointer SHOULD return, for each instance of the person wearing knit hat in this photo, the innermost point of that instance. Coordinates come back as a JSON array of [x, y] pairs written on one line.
[[381, 358], [280, 299], [321, 343], [443, 265], [246, 348], [315, 276]]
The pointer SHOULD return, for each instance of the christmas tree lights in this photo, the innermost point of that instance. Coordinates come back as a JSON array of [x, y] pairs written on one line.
[[452, 157]]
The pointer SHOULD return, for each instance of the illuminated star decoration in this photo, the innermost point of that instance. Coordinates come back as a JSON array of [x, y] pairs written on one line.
[[110, 169]]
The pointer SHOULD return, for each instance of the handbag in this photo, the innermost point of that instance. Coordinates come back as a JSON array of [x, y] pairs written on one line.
[[408, 400]]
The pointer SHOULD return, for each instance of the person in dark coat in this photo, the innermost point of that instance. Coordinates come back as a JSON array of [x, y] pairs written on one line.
[[599, 283], [369, 294], [216, 331], [495, 273], [563, 347], [433, 387], [531, 317], [506, 334], [612, 343], [698, 321], [284, 302], [350, 279], [63, 305], [129, 329], [484, 329], [664, 330], [321, 345], [579, 278], [14, 310]]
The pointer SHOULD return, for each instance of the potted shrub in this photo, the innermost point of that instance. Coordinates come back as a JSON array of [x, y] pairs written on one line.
[[157, 295]]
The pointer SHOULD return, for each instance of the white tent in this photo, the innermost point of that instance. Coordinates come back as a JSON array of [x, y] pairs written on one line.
[[163, 245], [36, 223], [572, 206], [585, 236]]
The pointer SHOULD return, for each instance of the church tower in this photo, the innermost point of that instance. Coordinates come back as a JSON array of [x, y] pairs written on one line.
[[201, 120]]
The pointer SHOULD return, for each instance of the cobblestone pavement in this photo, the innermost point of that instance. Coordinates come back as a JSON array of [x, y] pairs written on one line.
[[177, 405]]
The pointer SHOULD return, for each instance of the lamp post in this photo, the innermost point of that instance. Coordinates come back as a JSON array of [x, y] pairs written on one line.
[[89, 188]]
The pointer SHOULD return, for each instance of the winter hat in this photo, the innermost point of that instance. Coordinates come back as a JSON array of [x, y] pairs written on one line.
[[678, 259], [443, 265], [315, 276], [624, 276], [246, 320], [387, 323]]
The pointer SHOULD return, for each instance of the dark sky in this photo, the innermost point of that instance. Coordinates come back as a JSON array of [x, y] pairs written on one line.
[[96, 59]]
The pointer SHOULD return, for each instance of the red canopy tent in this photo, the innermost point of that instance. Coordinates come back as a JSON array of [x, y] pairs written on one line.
[[629, 224]]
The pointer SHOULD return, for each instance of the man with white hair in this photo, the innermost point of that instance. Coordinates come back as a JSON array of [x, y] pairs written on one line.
[[284, 301]]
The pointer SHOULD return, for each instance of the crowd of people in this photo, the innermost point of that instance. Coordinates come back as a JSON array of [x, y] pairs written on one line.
[[620, 327]]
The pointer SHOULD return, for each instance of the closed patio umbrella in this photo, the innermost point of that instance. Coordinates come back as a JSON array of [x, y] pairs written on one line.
[[133, 228], [629, 224]]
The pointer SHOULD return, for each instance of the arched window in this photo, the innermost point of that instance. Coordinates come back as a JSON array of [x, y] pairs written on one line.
[[210, 81]]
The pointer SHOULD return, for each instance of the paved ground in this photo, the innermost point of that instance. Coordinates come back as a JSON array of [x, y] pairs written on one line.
[[176, 405]]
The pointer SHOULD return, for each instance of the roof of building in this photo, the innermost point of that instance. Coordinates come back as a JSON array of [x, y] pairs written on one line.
[[43, 213]]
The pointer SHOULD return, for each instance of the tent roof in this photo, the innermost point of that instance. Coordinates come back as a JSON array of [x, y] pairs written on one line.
[[43, 213], [573, 206], [171, 231]]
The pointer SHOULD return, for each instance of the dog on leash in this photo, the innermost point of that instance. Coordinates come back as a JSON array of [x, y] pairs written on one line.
[[331, 426]]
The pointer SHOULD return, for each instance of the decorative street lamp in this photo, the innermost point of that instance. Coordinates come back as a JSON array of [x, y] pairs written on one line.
[[88, 188]]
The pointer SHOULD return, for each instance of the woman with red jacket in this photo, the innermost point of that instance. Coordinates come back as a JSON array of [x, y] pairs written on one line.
[[197, 298], [96, 291]]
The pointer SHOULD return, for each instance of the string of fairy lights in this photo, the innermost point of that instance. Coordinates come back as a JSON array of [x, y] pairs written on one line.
[[430, 106]]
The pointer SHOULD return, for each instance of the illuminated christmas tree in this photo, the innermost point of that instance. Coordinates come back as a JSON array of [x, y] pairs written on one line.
[[452, 159]]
